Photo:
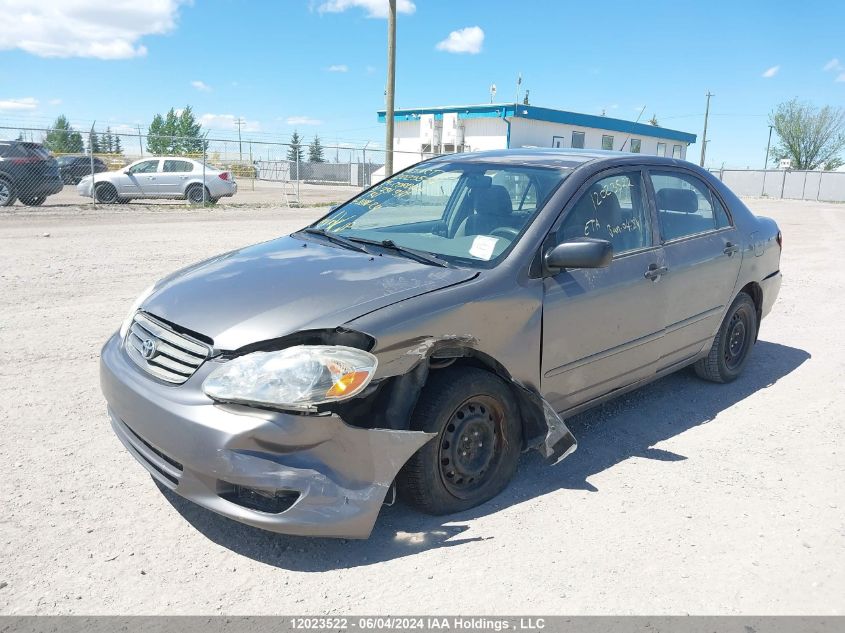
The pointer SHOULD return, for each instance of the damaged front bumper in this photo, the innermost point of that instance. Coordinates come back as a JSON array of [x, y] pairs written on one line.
[[310, 475]]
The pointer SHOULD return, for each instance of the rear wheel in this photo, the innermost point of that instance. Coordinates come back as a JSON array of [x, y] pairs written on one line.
[[7, 193], [732, 345], [475, 453], [35, 201], [105, 193], [197, 194]]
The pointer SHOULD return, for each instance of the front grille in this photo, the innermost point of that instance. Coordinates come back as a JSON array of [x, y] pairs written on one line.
[[159, 350]]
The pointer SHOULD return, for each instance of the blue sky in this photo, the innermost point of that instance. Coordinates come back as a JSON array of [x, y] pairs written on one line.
[[318, 66]]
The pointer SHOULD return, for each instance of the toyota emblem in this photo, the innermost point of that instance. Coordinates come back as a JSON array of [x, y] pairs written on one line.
[[148, 348]]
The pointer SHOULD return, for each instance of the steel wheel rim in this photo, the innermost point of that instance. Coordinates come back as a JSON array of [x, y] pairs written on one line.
[[106, 193], [737, 337], [470, 446], [5, 193], [196, 195]]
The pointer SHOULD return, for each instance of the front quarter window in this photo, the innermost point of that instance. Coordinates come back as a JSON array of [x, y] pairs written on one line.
[[466, 213]]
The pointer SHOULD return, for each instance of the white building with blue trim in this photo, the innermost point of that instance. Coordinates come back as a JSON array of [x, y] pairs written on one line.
[[421, 132]]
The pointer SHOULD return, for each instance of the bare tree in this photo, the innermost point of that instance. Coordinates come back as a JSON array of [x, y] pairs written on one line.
[[812, 137]]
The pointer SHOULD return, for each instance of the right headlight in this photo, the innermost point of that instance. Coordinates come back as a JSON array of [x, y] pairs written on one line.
[[298, 377]]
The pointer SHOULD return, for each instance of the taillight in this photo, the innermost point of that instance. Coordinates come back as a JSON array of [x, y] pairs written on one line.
[[224, 175], [780, 240], [25, 161]]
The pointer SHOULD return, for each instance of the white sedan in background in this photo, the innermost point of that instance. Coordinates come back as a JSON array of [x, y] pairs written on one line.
[[175, 178]]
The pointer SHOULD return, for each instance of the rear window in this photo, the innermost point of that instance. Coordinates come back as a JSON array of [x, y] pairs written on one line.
[[33, 149]]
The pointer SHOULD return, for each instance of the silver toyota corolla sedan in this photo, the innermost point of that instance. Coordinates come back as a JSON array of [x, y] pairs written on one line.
[[167, 177], [429, 330]]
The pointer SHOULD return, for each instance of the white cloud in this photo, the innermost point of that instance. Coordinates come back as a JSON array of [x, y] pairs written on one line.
[[468, 40], [771, 72], [840, 77], [85, 28], [55, 102], [27, 103], [201, 86], [227, 122], [338, 68], [374, 8], [833, 64], [302, 120]]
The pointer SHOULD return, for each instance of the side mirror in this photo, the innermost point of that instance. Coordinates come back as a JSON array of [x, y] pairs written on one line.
[[586, 253]]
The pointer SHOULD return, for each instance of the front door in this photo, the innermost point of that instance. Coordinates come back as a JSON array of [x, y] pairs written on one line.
[[703, 259], [602, 327], [139, 180]]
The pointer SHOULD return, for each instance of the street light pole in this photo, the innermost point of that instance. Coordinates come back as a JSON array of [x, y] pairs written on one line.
[[704, 135], [240, 122], [390, 88]]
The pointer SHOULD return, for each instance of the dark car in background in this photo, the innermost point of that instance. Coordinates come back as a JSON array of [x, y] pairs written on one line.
[[28, 172], [75, 168]]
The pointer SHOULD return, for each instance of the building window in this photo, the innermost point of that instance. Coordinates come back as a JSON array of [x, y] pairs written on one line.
[[676, 151], [578, 140], [636, 146], [557, 141], [661, 149], [606, 141]]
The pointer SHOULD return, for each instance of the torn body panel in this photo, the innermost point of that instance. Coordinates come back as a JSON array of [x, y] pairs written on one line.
[[327, 478]]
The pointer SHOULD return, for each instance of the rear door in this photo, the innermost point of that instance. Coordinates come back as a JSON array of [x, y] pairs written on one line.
[[602, 327], [703, 258], [174, 176]]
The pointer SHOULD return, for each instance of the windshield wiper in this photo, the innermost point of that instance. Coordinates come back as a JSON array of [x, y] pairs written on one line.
[[413, 253], [334, 238]]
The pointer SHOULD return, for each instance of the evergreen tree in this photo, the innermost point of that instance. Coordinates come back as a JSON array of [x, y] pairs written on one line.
[[118, 149], [295, 152], [175, 134], [190, 133], [63, 139], [315, 151], [94, 144], [107, 142], [155, 139]]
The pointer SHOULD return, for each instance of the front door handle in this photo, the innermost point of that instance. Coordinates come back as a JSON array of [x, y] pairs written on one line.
[[655, 272], [730, 249]]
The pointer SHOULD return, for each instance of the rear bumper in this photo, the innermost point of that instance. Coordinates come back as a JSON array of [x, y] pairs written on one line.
[[36, 188], [336, 475], [771, 287]]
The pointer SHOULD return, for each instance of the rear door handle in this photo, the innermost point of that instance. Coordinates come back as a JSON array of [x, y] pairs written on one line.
[[655, 272], [730, 249]]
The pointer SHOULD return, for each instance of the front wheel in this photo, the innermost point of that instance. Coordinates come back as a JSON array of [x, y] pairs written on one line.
[[477, 447], [105, 193], [7, 193], [732, 345]]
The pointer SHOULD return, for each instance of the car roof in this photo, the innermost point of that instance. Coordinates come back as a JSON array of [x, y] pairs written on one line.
[[557, 158]]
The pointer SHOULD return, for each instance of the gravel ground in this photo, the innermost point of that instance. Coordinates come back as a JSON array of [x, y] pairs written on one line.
[[684, 497]]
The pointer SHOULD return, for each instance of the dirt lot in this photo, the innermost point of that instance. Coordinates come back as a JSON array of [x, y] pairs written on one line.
[[684, 497]]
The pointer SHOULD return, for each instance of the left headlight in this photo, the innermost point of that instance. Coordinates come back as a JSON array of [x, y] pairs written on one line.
[[298, 377], [127, 322]]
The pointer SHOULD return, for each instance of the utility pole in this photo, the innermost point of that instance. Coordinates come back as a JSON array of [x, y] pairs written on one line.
[[768, 146], [390, 88], [140, 143], [239, 122], [704, 135]]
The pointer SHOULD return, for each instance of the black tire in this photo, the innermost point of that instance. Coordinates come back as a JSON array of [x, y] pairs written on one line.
[[8, 194], [105, 193], [36, 201], [465, 406], [732, 345], [194, 195]]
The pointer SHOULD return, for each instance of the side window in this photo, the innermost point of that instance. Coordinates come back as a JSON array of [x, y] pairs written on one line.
[[722, 219], [612, 209], [684, 205], [578, 140], [606, 141], [676, 151], [661, 149], [636, 145], [178, 166], [146, 167]]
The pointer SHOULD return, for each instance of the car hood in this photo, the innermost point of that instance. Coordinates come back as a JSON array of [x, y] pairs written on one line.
[[279, 287]]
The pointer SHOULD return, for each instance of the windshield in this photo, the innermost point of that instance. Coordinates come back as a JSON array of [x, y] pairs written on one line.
[[464, 213]]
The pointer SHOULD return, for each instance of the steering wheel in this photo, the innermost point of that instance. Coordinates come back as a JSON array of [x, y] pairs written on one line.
[[506, 232]]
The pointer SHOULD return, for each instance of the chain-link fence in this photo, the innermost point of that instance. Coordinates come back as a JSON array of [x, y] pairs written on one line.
[[58, 168]]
